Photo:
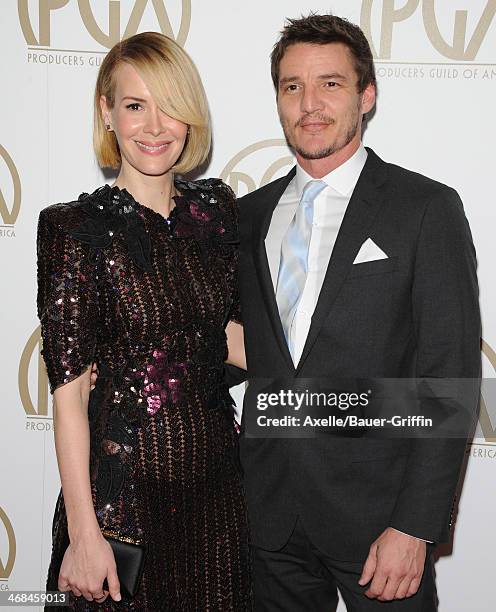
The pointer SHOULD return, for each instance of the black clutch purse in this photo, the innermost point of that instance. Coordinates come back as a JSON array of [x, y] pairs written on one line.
[[129, 558]]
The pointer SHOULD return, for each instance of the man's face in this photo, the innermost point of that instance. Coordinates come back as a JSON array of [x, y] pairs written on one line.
[[318, 102]]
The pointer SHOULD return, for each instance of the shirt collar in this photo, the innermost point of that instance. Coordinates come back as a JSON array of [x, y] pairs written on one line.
[[343, 179]]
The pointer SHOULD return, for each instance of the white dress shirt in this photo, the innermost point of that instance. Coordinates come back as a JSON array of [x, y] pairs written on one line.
[[329, 208]]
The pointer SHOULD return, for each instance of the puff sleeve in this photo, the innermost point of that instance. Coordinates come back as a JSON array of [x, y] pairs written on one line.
[[229, 208], [67, 300], [235, 311]]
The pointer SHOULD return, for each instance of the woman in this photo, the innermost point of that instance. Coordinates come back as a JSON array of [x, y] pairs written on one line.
[[140, 278]]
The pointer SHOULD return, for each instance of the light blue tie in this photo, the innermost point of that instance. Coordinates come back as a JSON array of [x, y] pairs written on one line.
[[293, 267]]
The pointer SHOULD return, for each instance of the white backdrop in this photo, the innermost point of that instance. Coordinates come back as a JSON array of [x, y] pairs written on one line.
[[436, 65]]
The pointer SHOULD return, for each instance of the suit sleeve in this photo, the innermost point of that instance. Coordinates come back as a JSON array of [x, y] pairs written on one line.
[[447, 326]]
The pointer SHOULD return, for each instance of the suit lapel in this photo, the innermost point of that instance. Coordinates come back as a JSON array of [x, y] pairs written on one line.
[[364, 205], [261, 223]]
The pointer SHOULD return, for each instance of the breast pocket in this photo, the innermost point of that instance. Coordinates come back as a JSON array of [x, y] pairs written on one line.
[[370, 268]]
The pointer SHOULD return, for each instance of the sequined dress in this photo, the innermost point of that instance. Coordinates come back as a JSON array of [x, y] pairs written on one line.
[[147, 299]]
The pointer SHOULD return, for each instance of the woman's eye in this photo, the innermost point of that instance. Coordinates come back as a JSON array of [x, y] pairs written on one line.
[[134, 106]]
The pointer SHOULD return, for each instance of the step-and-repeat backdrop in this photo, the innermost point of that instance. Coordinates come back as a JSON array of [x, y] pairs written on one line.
[[436, 67]]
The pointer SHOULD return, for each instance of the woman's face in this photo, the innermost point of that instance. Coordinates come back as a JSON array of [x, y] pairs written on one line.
[[149, 140]]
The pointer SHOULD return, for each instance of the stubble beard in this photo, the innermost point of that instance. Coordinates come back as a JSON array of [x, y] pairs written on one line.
[[329, 150]]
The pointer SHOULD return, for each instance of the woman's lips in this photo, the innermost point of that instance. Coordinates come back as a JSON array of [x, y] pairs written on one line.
[[152, 148]]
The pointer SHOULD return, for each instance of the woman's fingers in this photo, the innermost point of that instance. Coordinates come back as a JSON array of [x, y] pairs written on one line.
[[100, 596], [114, 584]]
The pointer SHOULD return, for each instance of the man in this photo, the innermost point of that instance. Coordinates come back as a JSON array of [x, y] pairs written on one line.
[[350, 267]]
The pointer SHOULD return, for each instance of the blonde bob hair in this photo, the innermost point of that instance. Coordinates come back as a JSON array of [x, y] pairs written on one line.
[[175, 85]]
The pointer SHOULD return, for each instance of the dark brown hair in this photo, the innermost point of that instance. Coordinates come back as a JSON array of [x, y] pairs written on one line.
[[322, 30]]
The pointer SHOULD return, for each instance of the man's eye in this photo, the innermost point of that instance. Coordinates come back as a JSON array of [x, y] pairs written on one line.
[[331, 84], [134, 106], [291, 87]]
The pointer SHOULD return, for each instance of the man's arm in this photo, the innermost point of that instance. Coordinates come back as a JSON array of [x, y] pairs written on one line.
[[447, 327], [234, 376]]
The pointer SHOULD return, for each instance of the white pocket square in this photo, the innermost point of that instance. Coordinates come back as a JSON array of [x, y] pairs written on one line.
[[369, 251]]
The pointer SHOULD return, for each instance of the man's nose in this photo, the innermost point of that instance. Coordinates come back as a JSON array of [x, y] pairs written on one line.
[[310, 100]]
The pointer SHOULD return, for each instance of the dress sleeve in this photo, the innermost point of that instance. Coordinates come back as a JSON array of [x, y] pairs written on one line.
[[235, 312], [230, 209], [67, 301]]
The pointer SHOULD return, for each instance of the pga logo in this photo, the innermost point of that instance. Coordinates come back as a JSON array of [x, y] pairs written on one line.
[[446, 25], [94, 13], [256, 165]]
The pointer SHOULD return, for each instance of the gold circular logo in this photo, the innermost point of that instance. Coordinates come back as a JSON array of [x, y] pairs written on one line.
[[458, 46], [30, 351], [6, 567], [490, 353], [245, 165], [488, 430], [9, 214], [106, 39]]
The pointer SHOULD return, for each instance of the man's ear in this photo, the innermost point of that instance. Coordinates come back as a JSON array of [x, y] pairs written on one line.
[[368, 98]]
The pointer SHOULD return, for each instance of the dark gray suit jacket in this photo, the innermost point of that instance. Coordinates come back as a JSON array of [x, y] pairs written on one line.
[[415, 314]]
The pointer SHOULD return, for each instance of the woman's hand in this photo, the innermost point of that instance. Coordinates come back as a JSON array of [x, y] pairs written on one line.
[[85, 566], [236, 345]]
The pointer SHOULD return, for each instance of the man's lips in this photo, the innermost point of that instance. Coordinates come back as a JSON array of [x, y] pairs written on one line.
[[313, 126]]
